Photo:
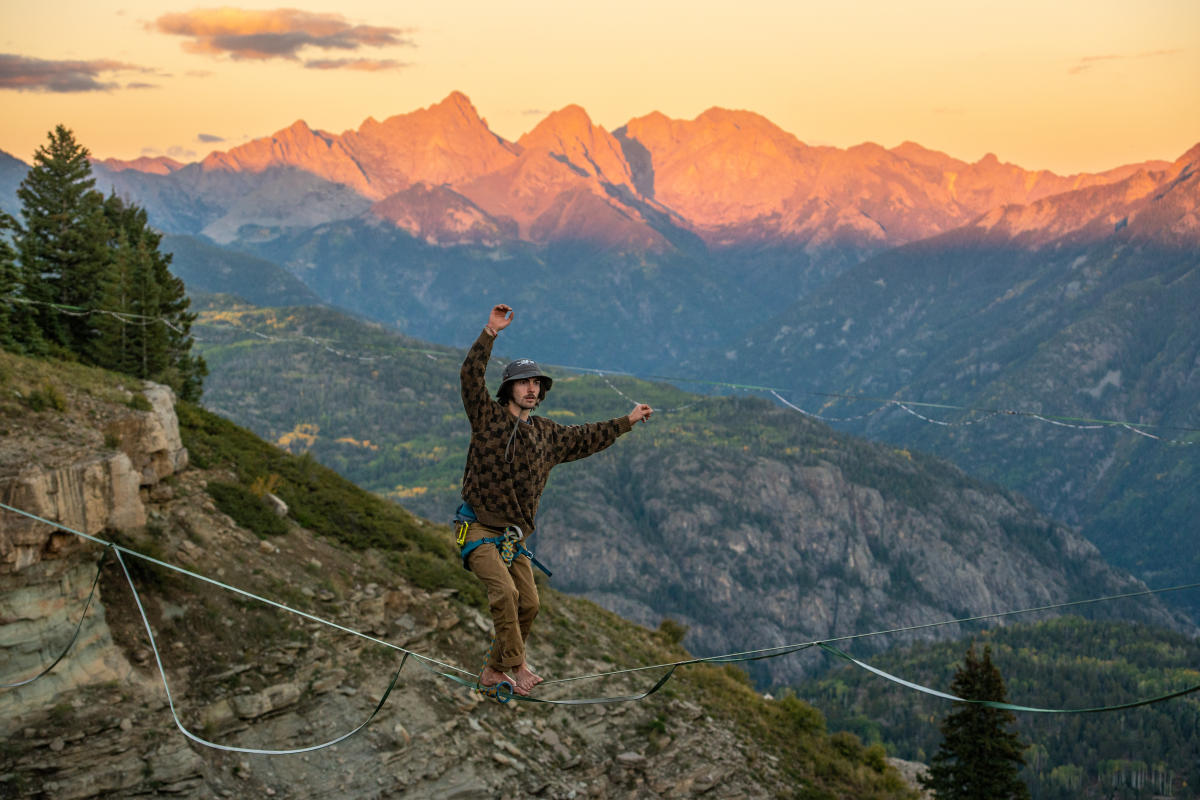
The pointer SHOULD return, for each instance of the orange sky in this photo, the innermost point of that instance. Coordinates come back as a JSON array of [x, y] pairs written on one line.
[[1068, 86]]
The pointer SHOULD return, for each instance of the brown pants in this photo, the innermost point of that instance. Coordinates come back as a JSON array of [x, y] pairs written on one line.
[[512, 596]]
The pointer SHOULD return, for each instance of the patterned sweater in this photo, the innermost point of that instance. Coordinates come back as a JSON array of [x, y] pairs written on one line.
[[503, 488]]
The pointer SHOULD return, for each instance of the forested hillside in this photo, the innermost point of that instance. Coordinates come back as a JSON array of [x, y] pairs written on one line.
[[209, 269], [1064, 663]]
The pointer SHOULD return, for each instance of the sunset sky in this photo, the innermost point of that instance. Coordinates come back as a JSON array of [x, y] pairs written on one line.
[[1073, 85]]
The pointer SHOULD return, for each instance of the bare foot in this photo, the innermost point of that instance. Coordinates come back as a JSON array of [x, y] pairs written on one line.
[[526, 679], [492, 677]]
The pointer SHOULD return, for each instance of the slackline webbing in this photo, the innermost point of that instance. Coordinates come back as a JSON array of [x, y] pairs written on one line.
[[995, 704], [469, 682], [230, 748]]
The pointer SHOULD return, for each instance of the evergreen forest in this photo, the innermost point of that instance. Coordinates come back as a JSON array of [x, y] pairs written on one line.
[[83, 278]]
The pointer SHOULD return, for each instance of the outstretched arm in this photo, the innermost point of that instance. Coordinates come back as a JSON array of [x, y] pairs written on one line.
[[579, 441]]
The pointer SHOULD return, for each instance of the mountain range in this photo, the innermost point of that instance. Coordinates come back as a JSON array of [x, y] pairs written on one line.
[[726, 215], [725, 248], [729, 177], [725, 218]]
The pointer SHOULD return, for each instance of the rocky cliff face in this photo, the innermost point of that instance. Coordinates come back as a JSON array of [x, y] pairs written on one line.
[[88, 489]]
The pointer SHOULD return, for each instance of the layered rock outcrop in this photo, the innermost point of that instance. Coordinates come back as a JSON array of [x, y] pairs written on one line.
[[48, 572]]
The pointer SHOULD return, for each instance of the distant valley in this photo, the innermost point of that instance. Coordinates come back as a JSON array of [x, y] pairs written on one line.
[[758, 526]]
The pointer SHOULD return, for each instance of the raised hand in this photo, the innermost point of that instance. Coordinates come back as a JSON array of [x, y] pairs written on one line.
[[641, 412], [500, 317]]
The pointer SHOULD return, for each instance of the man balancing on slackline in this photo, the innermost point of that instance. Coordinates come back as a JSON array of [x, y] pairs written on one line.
[[509, 459]]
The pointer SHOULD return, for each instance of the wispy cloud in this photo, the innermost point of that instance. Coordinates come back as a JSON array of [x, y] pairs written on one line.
[[1087, 62], [361, 64], [250, 35], [26, 74], [209, 138]]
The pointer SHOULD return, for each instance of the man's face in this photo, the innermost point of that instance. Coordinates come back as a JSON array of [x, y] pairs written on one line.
[[525, 392]]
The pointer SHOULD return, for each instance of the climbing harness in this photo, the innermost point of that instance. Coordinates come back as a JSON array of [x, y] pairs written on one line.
[[508, 543]]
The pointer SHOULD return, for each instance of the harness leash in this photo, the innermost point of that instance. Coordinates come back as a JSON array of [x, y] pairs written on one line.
[[501, 692]]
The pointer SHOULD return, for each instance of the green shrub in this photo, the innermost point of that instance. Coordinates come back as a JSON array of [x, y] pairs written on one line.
[[671, 631], [847, 744], [246, 510], [876, 757], [801, 717], [139, 402], [49, 396]]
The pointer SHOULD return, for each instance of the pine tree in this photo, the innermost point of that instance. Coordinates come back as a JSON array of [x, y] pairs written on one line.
[[18, 320], [92, 277], [10, 284], [62, 245], [155, 342], [115, 342], [979, 758], [184, 372]]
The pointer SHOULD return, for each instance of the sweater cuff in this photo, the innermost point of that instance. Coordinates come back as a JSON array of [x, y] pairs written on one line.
[[624, 425]]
